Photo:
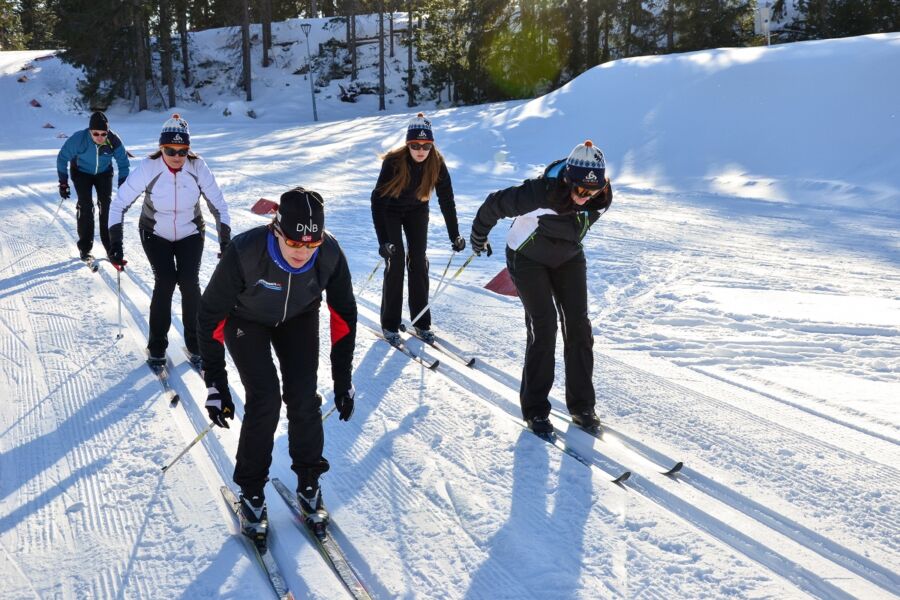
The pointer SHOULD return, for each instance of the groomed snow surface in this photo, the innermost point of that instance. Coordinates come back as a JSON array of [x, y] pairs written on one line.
[[745, 298]]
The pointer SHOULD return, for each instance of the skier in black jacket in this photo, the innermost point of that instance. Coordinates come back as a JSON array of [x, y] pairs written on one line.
[[546, 261], [266, 291], [400, 205]]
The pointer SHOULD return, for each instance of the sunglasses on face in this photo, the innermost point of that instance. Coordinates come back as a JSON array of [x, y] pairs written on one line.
[[99, 133], [583, 192], [173, 152], [425, 147], [295, 244]]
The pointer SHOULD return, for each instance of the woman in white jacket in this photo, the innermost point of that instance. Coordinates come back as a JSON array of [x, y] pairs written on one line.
[[172, 181]]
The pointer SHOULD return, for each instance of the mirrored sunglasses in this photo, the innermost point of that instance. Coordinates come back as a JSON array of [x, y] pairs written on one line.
[[421, 146], [583, 192], [99, 133], [173, 152], [295, 244]]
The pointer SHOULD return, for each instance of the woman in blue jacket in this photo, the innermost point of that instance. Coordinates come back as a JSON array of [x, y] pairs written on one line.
[[90, 153]]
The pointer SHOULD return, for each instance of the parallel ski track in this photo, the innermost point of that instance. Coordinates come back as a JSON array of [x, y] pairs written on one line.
[[722, 444], [671, 500]]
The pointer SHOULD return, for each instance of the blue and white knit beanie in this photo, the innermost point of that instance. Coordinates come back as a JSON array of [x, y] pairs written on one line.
[[586, 166], [175, 132], [419, 130]]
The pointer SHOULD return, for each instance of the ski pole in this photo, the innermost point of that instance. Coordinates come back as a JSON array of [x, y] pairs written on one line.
[[56, 214], [199, 437], [369, 278], [437, 290], [119, 294], [440, 291]]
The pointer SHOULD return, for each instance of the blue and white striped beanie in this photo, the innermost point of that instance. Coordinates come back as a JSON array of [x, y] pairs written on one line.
[[175, 132], [586, 166], [419, 130]]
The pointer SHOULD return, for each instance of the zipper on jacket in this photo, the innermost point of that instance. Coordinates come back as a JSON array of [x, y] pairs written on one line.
[[175, 210], [287, 296], [97, 162]]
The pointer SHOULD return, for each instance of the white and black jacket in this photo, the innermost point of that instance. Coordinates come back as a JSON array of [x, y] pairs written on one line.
[[171, 207], [548, 226]]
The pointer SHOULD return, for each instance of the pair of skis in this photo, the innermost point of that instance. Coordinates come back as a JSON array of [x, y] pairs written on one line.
[[325, 544], [437, 344]]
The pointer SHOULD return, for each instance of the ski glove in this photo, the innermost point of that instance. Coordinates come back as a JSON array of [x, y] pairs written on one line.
[[480, 244], [386, 250], [224, 238], [116, 254], [64, 190], [459, 244], [219, 404], [344, 403]]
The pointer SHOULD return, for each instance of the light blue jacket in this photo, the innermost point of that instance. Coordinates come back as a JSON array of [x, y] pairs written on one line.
[[91, 158]]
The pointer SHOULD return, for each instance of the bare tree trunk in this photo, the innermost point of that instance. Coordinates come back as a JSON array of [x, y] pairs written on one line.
[[265, 14], [670, 26], [165, 42], [391, 30], [380, 54], [181, 8], [353, 70], [245, 46], [410, 72], [140, 67], [313, 9]]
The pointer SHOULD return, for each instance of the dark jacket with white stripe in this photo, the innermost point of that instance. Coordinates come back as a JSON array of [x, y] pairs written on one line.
[[548, 226], [249, 284]]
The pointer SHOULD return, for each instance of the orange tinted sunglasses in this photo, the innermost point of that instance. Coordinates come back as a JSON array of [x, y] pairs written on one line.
[[295, 244], [583, 192]]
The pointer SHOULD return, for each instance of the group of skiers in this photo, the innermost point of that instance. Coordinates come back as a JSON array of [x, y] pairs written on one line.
[[266, 289]]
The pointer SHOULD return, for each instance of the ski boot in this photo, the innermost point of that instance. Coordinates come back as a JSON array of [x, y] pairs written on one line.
[[425, 334], [392, 337], [309, 495], [589, 421], [254, 519], [156, 363], [541, 426]]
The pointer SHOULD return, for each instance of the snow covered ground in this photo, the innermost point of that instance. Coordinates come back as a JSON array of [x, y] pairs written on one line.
[[745, 296]]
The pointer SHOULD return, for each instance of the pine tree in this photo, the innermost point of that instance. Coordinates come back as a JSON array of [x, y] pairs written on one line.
[[11, 34]]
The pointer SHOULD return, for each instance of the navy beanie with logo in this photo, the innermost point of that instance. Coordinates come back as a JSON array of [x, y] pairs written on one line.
[[175, 132], [301, 215], [419, 130], [586, 166], [98, 122]]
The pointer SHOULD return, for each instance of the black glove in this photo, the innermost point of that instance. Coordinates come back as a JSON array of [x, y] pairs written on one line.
[[64, 189], [219, 404], [480, 244], [121, 181], [386, 250], [459, 244], [116, 254], [224, 238], [344, 403]]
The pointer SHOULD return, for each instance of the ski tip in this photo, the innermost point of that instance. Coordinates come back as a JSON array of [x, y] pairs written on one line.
[[622, 478], [471, 362], [676, 468], [433, 366], [174, 400]]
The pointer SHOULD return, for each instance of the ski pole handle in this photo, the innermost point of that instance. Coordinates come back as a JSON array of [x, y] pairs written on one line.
[[199, 437]]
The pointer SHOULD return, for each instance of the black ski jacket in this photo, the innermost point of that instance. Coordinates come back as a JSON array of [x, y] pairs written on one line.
[[408, 199], [248, 284], [549, 227]]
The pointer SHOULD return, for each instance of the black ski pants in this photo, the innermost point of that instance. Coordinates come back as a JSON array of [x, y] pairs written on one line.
[[173, 263], [413, 221], [548, 293], [85, 184], [296, 343]]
